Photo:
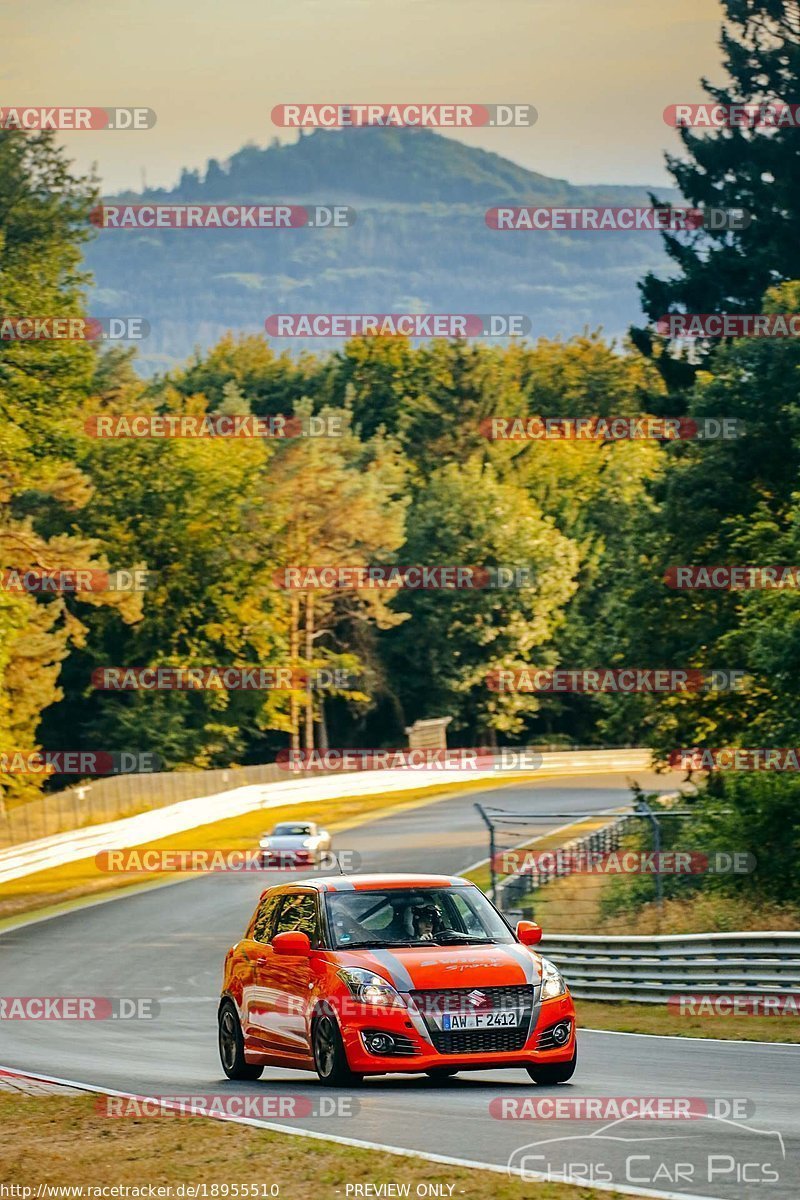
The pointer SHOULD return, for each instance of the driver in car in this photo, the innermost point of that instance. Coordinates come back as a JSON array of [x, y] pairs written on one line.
[[426, 922]]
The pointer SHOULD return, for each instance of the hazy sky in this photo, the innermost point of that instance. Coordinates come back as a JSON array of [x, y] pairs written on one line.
[[600, 74]]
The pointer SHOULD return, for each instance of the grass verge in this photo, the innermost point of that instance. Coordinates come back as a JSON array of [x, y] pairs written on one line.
[[656, 1019], [65, 1141]]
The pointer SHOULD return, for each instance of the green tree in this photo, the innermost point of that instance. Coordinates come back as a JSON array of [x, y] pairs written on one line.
[[440, 659], [44, 219], [753, 168], [182, 507], [334, 501], [722, 502]]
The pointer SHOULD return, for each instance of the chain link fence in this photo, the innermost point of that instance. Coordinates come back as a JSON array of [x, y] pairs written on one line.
[[589, 870], [517, 891], [100, 800]]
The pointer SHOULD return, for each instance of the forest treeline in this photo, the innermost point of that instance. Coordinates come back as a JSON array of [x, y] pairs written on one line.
[[412, 478]]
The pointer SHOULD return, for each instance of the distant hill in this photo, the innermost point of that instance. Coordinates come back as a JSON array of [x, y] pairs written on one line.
[[420, 243]]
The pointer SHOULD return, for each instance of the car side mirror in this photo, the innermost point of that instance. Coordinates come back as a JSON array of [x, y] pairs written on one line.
[[293, 941], [529, 933]]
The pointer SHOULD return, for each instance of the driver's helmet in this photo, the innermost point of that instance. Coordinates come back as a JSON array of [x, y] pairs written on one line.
[[423, 911]]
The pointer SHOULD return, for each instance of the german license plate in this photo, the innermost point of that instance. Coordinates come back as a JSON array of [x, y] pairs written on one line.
[[487, 1020]]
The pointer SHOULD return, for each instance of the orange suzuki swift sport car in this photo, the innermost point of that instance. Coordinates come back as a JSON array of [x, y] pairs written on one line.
[[387, 973]]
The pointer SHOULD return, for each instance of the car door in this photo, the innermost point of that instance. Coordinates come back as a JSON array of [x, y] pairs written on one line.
[[289, 976], [258, 993]]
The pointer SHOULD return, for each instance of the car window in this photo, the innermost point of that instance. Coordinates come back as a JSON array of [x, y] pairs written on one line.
[[469, 919], [261, 930], [380, 919], [299, 912], [295, 830], [413, 915]]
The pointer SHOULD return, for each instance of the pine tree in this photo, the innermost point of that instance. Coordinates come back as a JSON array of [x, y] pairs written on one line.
[[756, 168]]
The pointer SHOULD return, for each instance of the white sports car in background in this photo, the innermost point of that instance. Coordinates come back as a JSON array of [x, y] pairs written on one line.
[[295, 844]]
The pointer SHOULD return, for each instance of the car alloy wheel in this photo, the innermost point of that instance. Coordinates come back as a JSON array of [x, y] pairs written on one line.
[[231, 1046], [227, 1039], [329, 1055]]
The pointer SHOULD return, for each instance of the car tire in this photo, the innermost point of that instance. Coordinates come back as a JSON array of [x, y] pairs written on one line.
[[231, 1046], [330, 1059], [442, 1073], [549, 1073]]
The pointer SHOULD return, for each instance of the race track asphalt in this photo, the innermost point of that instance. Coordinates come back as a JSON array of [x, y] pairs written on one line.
[[168, 943]]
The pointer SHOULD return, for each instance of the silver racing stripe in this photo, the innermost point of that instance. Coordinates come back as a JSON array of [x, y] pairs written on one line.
[[398, 974], [417, 1021], [402, 981], [528, 964], [533, 975]]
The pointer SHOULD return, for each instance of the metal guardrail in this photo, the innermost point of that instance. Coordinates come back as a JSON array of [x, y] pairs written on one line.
[[651, 969]]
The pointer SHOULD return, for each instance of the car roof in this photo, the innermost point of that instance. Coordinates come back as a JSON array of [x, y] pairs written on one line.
[[368, 883]]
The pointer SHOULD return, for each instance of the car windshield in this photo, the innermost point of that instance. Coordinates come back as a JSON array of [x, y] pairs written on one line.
[[291, 830], [413, 916]]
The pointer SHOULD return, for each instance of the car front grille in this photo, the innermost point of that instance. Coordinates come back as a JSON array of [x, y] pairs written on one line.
[[474, 1041], [470, 1041]]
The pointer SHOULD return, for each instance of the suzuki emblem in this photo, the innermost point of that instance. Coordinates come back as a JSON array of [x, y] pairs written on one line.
[[477, 999]]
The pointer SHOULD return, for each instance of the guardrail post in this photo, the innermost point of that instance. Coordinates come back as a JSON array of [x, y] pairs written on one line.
[[490, 826], [643, 807]]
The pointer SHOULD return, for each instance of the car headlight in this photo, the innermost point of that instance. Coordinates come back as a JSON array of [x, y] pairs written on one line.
[[264, 843], [308, 843], [370, 988], [552, 981]]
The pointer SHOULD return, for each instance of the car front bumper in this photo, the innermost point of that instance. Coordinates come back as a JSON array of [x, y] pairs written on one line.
[[286, 860], [419, 1054]]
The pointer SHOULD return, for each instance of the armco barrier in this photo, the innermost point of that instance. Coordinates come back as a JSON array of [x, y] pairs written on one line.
[[650, 969], [29, 857]]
